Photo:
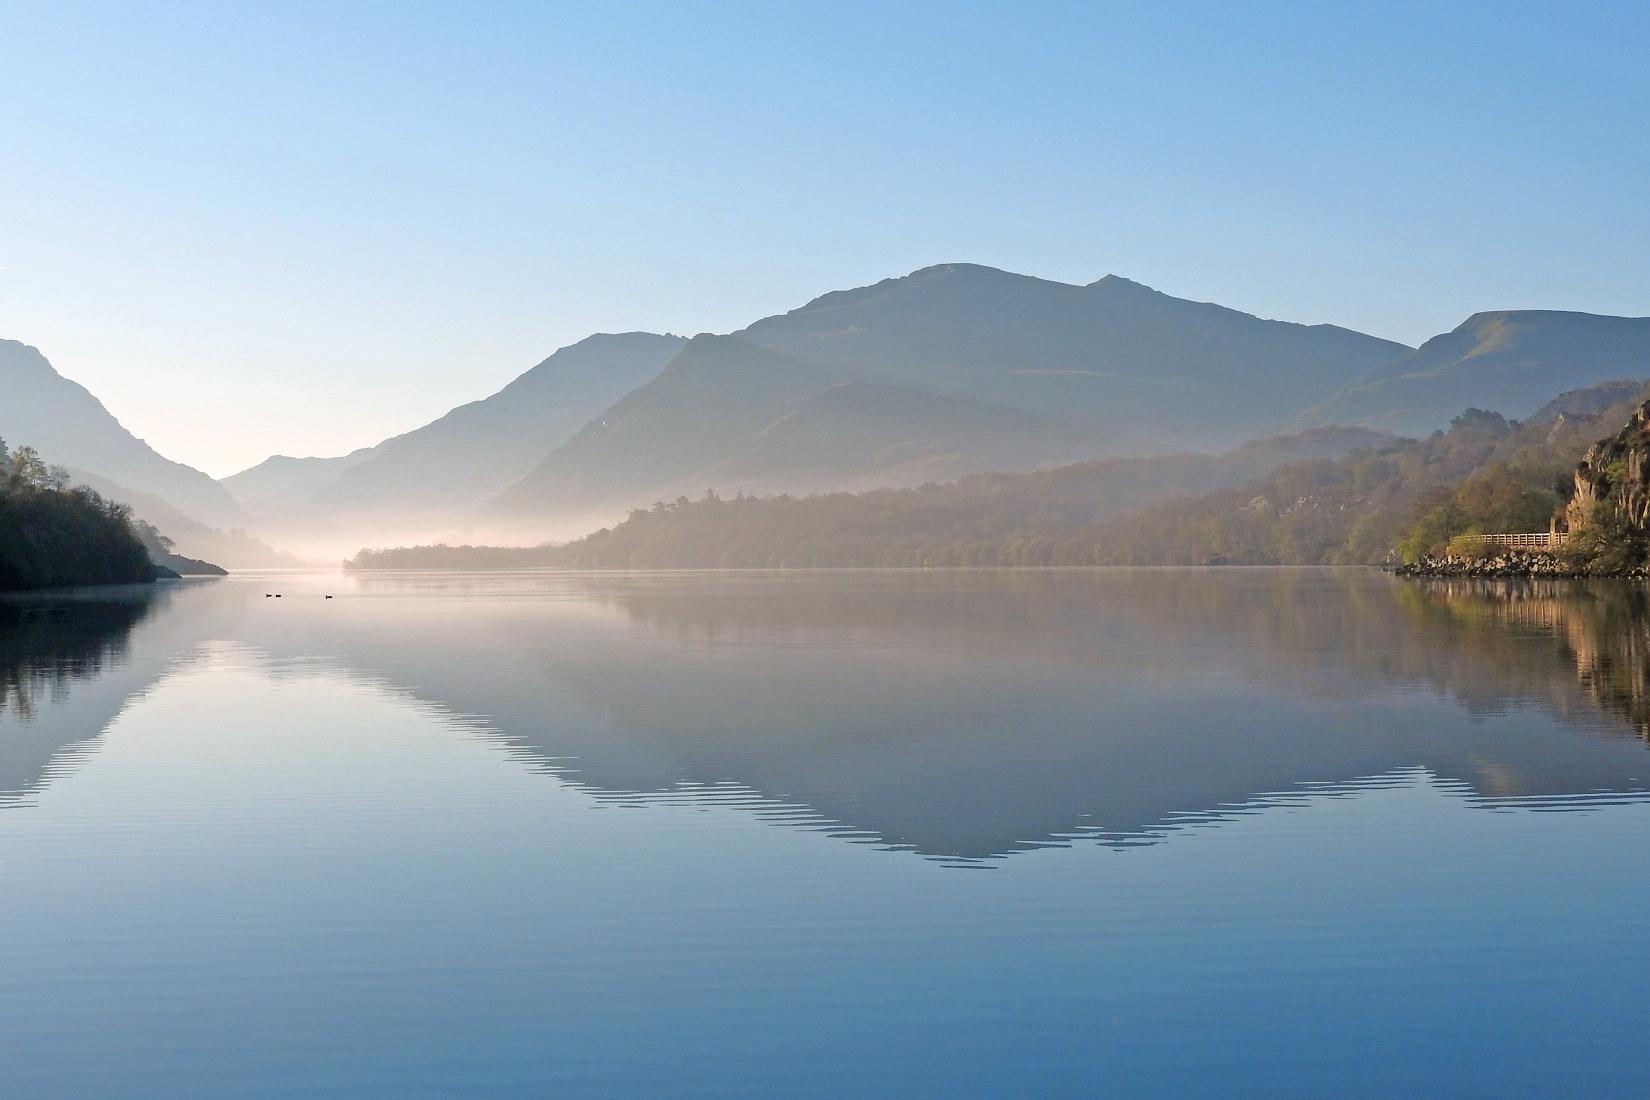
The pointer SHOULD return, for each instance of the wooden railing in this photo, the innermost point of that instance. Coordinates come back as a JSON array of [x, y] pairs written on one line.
[[1536, 540]]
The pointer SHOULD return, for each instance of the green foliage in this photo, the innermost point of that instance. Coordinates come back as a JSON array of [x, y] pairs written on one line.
[[1470, 544], [1606, 542], [51, 534]]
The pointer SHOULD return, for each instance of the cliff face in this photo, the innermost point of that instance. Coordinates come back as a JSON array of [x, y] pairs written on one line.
[[1616, 471]]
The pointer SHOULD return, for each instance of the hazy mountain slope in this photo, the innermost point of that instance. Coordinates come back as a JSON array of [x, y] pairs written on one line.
[[869, 434], [1510, 361], [1485, 473], [977, 369], [711, 402], [456, 462], [281, 484], [62, 420], [891, 526], [1113, 354], [234, 549]]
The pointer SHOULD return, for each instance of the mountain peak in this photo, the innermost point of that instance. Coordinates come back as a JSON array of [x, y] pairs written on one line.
[[1119, 283], [963, 270]]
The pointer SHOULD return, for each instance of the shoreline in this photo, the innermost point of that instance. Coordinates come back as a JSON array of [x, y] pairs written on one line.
[[1514, 563]]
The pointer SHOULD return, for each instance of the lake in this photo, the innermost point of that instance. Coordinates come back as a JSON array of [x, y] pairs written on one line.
[[1130, 832]]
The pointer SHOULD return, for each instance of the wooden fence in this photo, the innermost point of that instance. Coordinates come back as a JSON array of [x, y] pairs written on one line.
[[1537, 540]]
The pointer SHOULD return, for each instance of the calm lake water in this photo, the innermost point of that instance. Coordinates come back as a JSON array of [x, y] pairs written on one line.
[[1132, 833]]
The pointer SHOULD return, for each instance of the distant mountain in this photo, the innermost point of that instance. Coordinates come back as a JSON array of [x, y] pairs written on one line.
[[1510, 362], [871, 434], [947, 370], [281, 484], [1103, 355], [710, 404], [450, 466], [63, 421]]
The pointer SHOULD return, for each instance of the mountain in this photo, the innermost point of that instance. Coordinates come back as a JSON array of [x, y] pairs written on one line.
[[450, 466], [709, 405], [62, 420], [281, 484], [1509, 361], [1058, 371], [871, 434], [1098, 355]]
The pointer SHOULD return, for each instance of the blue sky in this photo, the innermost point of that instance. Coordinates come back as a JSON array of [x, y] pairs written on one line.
[[297, 229]]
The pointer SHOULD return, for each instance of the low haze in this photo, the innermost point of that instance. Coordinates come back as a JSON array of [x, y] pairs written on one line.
[[326, 225]]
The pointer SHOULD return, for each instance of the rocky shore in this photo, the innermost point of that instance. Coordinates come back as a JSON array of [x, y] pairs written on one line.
[[1513, 563]]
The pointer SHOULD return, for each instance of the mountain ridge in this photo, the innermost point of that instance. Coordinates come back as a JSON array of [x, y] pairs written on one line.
[[64, 420], [1115, 359], [474, 450], [1508, 360]]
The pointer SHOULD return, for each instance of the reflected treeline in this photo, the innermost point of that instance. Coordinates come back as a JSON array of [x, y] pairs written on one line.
[[1599, 630], [63, 675], [48, 644]]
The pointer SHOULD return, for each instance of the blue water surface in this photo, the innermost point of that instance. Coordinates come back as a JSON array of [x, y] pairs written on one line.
[[1124, 833]]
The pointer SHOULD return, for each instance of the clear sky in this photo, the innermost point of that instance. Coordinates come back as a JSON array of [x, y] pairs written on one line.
[[299, 228]]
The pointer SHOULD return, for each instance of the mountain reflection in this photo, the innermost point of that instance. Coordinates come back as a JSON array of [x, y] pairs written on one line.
[[959, 715], [971, 715], [50, 647]]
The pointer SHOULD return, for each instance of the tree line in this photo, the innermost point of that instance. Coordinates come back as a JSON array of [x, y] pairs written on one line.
[[55, 533], [1401, 499]]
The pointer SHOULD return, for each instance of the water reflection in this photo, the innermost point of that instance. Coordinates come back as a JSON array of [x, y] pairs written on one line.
[[962, 716], [969, 717], [1599, 632], [52, 646]]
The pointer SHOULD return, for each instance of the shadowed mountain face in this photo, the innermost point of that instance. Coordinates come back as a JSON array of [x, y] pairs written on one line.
[[967, 715], [948, 370], [40, 408], [450, 466], [733, 414], [1510, 362], [868, 434]]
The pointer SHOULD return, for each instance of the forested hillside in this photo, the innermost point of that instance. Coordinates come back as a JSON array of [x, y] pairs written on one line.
[[982, 503], [52, 534], [1486, 473]]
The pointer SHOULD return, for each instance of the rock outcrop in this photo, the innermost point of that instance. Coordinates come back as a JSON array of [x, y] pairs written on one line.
[[1615, 472]]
